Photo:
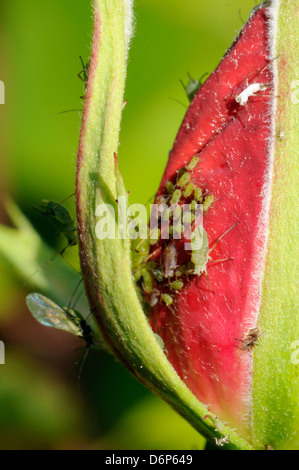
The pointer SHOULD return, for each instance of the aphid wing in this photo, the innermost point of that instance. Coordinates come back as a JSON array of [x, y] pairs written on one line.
[[46, 312]]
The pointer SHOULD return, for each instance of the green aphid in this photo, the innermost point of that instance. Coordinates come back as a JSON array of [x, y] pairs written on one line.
[[62, 221], [180, 173], [46, 312], [167, 299], [181, 270], [198, 194], [169, 187], [193, 205], [184, 179], [176, 196], [200, 257], [166, 214], [159, 341], [151, 265], [177, 285], [207, 202], [158, 275], [177, 231], [177, 212], [139, 254], [188, 190], [187, 218], [192, 164], [154, 236], [192, 86], [147, 281]]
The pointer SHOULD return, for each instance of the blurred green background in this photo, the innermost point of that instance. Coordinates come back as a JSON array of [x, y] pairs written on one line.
[[42, 402]]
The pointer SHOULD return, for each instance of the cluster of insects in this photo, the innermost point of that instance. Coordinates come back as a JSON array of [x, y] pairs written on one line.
[[163, 263]]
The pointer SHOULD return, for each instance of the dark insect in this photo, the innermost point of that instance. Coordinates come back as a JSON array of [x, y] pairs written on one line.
[[251, 338], [48, 313], [62, 221], [83, 75]]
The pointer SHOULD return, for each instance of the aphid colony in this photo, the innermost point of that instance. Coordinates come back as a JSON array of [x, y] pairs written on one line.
[[162, 265]]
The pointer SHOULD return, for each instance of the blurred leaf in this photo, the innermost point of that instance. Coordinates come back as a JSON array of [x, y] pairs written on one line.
[[36, 412], [35, 263], [152, 424]]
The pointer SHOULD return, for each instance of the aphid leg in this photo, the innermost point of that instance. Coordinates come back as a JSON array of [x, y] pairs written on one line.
[[62, 201], [83, 360], [73, 295], [42, 267]]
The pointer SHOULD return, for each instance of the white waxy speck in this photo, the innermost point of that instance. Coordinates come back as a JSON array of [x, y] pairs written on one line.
[[250, 91]]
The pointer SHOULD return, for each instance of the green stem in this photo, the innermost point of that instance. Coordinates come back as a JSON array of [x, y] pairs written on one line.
[[275, 387]]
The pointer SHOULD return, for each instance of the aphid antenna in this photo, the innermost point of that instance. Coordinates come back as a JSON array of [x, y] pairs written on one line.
[[82, 364], [63, 200], [42, 267], [144, 239], [240, 16], [266, 66], [208, 280], [68, 111], [216, 261], [221, 236], [178, 101], [166, 344], [157, 251], [73, 295]]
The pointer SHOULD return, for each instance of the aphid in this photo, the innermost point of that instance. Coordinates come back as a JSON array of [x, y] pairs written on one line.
[[83, 75], [169, 187], [192, 164], [207, 202], [62, 221], [170, 261], [223, 440], [161, 343], [201, 256], [176, 196], [167, 299], [48, 313], [177, 285], [147, 281], [188, 190], [184, 179], [198, 194], [158, 275], [192, 86], [154, 236], [249, 92], [251, 338]]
